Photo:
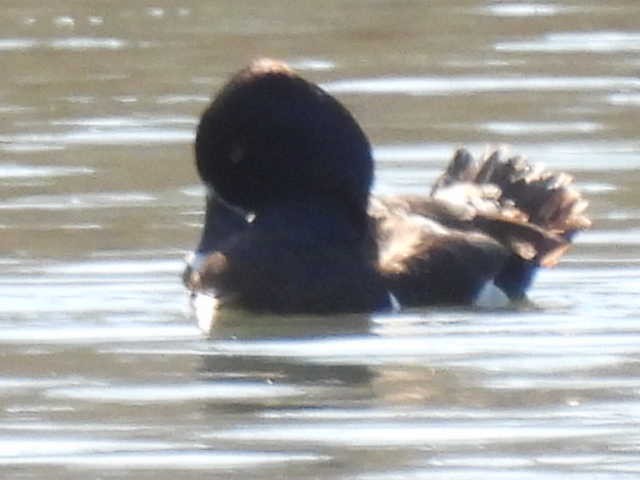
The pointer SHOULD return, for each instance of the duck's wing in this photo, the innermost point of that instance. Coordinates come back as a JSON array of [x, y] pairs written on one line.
[[497, 219], [532, 211], [425, 262]]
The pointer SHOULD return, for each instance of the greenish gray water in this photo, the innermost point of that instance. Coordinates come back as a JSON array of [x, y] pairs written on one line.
[[103, 372]]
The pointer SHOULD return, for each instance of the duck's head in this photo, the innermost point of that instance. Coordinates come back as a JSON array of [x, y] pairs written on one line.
[[271, 137]]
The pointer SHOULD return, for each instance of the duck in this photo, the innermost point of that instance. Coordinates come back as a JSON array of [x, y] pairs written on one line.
[[291, 225]]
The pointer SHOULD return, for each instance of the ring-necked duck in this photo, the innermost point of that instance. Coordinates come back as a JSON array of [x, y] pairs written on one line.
[[290, 226]]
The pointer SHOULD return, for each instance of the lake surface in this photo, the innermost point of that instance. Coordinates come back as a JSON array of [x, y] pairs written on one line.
[[103, 371]]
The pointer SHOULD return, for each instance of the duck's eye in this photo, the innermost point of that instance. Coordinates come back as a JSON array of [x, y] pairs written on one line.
[[236, 155]]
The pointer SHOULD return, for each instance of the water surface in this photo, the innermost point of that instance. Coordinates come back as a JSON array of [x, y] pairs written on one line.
[[104, 372]]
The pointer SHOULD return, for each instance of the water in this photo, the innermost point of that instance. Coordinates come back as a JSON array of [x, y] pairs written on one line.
[[104, 373]]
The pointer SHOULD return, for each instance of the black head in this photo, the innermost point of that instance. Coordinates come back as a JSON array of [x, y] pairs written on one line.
[[270, 137]]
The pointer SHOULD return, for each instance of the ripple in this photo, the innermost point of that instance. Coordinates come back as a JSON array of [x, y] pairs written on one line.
[[476, 85], [33, 383], [129, 122], [425, 349], [169, 460], [40, 171], [78, 201], [631, 99], [594, 411], [10, 108], [414, 153], [16, 449], [88, 43], [115, 267], [605, 273], [523, 9], [234, 392], [95, 20], [115, 136], [436, 472], [156, 12], [623, 214], [62, 427], [69, 44], [540, 128], [113, 293], [64, 21], [597, 187], [400, 434], [97, 334], [573, 156], [575, 382], [571, 42], [180, 99], [309, 64], [8, 44], [553, 364], [612, 237]]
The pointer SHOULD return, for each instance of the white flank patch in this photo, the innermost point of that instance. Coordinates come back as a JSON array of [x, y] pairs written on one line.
[[491, 296], [204, 306]]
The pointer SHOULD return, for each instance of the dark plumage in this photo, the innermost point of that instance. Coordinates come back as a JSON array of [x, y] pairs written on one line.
[[289, 226], [270, 136]]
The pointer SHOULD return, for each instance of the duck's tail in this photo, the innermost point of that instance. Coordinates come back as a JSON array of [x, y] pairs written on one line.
[[532, 211]]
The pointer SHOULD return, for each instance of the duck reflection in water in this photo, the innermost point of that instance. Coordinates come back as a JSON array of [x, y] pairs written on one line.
[[291, 228]]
